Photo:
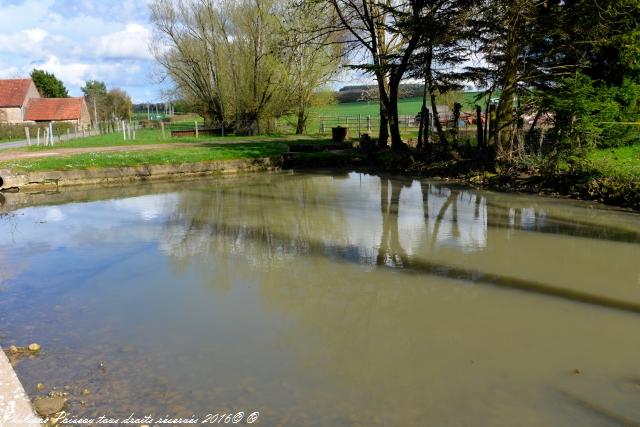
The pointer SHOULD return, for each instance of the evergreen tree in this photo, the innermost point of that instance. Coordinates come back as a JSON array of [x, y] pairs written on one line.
[[48, 84]]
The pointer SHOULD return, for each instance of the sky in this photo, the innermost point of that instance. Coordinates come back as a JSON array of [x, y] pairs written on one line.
[[79, 40]]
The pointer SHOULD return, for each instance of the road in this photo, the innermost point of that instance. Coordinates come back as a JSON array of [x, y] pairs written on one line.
[[24, 143]]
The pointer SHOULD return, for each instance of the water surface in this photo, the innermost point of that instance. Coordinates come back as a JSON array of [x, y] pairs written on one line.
[[326, 300]]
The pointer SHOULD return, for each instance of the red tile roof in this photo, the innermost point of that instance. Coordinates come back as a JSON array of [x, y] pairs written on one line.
[[53, 109], [13, 92]]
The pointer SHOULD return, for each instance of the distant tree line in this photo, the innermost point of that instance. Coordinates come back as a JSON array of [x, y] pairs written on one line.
[[106, 105], [357, 93]]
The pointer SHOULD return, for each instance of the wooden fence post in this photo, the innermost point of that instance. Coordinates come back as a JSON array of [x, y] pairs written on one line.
[[359, 118], [196, 123], [368, 122], [26, 132], [124, 131], [162, 127], [51, 133], [38, 136]]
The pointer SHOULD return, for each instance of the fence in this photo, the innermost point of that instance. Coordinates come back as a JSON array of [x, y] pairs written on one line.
[[408, 123], [50, 133], [237, 127]]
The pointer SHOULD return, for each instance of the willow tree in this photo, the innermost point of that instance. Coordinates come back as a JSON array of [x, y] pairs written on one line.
[[226, 58], [314, 57], [188, 47]]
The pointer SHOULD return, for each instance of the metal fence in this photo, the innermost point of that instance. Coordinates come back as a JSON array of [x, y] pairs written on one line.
[[360, 124]]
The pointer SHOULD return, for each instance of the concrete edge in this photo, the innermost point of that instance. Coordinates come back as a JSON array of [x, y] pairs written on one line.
[[55, 179], [15, 405]]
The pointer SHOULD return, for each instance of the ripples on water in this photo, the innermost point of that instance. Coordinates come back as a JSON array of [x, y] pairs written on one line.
[[326, 300]]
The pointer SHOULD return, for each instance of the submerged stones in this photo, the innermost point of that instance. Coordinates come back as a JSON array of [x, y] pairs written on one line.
[[16, 352], [47, 406]]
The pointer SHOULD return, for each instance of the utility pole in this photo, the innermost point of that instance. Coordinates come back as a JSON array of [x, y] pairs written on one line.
[[95, 112]]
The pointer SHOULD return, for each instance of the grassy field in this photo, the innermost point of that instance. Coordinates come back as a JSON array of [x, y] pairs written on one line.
[[207, 152], [150, 136], [622, 162], [209, 149], [407, 106]]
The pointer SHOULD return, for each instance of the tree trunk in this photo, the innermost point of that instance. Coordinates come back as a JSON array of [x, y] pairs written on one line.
[[436, 119], [394, 125], [480, 131], [423, 119], [383, 133], [504, 112], [301, 125]]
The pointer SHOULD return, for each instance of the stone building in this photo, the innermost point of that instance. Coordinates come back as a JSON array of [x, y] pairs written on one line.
[[20, 102], [70, 110], [14, 99]]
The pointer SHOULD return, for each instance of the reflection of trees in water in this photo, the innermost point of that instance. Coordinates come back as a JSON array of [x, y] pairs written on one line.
[[343, 298], [262, 225], [271, 225]]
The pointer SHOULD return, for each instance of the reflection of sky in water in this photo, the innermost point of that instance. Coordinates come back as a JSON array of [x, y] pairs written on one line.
[[266, 282], [467, 228]]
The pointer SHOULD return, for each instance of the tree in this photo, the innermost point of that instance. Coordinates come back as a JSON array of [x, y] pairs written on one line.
[[118, 103], [48, 84], [236, 61], [387, 35], [443, 47], [95, 94], [313, 61]]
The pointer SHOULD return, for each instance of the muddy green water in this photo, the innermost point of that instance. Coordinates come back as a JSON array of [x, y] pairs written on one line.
[[326, 300]]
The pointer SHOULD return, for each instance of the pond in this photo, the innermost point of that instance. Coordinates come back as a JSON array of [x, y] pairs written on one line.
[[322, 299]]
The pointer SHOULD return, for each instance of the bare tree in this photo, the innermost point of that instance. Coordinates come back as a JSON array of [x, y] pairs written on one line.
[[383, 34]]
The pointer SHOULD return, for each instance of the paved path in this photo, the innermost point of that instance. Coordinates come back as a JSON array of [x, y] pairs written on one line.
[[15, 406]]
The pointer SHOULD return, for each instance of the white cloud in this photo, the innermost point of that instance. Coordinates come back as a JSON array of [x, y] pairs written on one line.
[[131, 43], [79, 40]]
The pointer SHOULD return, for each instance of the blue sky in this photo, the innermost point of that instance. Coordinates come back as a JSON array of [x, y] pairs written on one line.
[[79, 40]]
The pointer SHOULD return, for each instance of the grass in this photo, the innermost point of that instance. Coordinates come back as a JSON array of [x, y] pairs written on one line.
[[154, 136], [209, 149], [623, 162], [178, 155], [406, 106]]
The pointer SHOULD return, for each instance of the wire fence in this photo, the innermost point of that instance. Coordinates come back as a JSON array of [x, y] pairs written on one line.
[[50, 133]]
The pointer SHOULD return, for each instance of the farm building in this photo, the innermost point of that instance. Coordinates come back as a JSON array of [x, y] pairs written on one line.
[[14, 99], [70, 110], [20, 102]]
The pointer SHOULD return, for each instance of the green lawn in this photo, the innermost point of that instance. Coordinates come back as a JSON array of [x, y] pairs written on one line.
[[154, 136], [211, 149], [622, 161], [207, 152]]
